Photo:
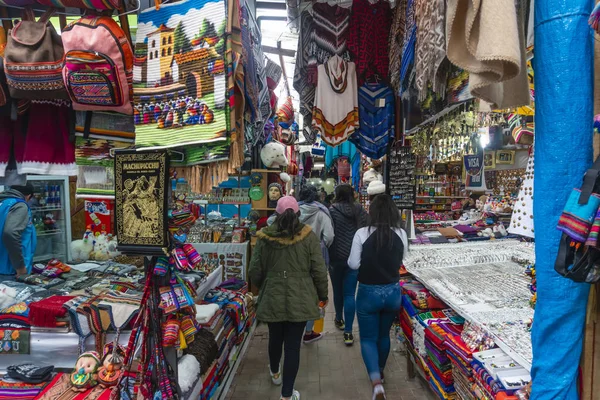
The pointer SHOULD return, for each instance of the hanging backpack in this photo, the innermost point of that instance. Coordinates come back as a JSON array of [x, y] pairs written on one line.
[[33, 59], [578, 253], [98, 69]]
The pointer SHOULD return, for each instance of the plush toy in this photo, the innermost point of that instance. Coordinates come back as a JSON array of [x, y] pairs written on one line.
[[85, 374], [112, 363], [273, 155], [81, 249], [112, 247]]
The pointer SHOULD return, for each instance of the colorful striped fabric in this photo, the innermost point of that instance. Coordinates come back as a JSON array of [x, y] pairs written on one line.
[[577, 219], [592, 239], [305, 90], [376, 114], [408, 48]]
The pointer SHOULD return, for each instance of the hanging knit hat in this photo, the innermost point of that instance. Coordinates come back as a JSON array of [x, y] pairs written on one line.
[[375, 188], [285, 113], [273, 155]]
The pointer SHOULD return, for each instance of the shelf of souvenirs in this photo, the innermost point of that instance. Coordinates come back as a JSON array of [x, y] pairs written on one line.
[[433, 208], [44, 209], [222, 203], [49, 233]]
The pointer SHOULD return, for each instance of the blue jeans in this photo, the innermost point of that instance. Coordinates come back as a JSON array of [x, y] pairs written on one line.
[[376, 308], [343, 281]]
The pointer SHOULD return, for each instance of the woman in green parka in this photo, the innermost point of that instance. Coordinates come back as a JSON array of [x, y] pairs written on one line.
[[288, 266]]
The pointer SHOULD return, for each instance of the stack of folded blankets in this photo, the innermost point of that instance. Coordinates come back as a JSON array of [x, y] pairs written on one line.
[[420, 311], [485, 386], [461, 358], [436, 324]]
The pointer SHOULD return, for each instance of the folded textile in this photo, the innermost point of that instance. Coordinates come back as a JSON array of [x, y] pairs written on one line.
[[189, 372], [30, 373], [204, 349], [44, 313], [14, 390], [205, 312], [486, 39]]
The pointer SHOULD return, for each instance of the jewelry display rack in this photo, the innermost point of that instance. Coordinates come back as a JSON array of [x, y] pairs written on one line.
[[485, 283]]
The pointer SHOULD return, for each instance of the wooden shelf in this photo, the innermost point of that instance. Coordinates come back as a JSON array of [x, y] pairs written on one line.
[[267, 171], [263, 209], [441, 197]]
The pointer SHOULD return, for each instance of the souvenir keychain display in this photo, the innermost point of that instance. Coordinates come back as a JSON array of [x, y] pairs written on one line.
[[402, 176]]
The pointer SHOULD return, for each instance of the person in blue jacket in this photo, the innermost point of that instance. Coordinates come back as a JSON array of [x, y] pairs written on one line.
[[18, 233]]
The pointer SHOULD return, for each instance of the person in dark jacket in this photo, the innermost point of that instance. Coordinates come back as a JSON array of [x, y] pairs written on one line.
[[348, 216], [288, 266], [18, 233]]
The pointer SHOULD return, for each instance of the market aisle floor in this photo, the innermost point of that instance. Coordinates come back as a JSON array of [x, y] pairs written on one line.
[[328, 371]]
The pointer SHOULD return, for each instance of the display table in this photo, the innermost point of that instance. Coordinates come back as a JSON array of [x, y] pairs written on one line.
[[233, 257], [483, 283], [213, 280], [55, 347]]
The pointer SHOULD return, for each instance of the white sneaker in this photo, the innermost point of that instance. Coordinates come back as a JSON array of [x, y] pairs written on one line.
[[276, 378], [379, 392], [295, 395]]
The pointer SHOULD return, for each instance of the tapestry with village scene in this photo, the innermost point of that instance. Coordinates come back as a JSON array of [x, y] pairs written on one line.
[[179, 74]]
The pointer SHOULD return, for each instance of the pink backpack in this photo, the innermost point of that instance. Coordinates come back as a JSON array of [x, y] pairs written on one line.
[[98, 69]]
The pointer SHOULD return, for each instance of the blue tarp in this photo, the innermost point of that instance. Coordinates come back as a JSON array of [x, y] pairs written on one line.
[[563, 66]]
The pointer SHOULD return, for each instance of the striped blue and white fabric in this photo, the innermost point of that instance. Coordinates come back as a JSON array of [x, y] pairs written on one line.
[[376, 115]]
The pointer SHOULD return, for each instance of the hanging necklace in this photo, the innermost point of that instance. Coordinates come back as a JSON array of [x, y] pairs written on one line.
[[337, 76]]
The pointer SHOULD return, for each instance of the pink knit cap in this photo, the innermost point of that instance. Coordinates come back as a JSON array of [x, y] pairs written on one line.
[[287, 202]]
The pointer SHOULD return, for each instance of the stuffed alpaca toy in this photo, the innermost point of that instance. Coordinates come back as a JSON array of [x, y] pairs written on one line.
[[81, 249]]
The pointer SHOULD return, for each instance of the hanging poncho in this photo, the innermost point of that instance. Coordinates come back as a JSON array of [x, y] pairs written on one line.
[[335, 114], [376, 111]]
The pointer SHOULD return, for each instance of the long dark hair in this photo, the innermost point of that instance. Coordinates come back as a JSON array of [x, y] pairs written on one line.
[[384, 216], [344, 194], [288, 223]]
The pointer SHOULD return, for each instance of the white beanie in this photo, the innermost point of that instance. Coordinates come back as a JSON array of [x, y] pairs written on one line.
[[375, 187]]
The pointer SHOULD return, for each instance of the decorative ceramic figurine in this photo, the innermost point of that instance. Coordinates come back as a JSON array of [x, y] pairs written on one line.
[[275, 193], [85, 374], [110, 372]]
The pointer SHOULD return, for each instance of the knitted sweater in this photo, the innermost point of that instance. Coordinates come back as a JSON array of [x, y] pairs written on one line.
[[347, 219]]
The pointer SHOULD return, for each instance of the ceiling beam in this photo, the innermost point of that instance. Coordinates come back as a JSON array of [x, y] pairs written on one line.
[[281, 52]]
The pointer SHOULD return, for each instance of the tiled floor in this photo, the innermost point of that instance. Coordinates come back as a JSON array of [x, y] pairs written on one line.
[[328, 371]]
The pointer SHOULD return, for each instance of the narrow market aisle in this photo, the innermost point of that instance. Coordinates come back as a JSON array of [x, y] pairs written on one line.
[[328, 370]]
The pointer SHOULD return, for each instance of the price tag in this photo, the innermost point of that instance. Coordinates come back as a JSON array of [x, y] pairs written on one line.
[[380, 103]]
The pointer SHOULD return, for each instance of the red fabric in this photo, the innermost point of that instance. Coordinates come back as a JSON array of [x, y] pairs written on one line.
[[45, 147], [43, 313], [368, 43], [6, 139]]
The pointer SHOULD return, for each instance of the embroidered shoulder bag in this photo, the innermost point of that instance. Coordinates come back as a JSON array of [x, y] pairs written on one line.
[[578, 254], [33, 59]]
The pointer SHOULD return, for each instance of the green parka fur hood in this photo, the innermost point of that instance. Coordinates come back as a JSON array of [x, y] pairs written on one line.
[[291, 275]]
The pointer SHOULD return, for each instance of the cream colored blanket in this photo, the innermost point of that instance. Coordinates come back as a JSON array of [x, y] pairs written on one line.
[[486, 38]]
